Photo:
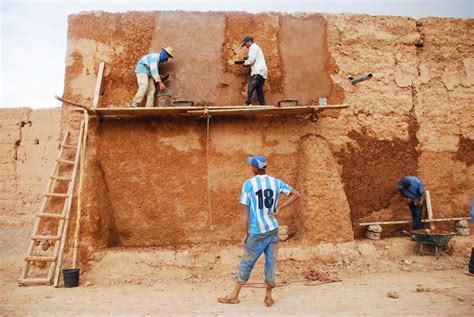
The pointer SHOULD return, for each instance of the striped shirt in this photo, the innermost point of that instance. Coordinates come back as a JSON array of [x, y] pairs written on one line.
[[148, 64], [261, 194]]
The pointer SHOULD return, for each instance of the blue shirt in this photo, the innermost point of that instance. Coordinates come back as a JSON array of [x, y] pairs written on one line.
[[148, 64], [261, 194], [415, 190]]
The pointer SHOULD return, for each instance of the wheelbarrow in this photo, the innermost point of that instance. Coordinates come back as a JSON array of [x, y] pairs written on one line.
[[438, 238]]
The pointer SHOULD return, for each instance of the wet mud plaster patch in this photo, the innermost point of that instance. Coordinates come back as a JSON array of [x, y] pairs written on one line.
[[265, 30], [126, 36], [465, 152], [371, 169], [305, 56], [196, 68]]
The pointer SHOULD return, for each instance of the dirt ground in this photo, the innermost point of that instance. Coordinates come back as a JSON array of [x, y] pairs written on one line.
[[169, 282]]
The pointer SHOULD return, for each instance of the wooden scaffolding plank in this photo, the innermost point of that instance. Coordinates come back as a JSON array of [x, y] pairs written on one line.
[[214, 110], [68, 208], [395, 222]]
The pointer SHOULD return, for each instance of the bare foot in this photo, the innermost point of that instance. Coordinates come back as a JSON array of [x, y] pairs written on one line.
[[228, 300], [269, 301]]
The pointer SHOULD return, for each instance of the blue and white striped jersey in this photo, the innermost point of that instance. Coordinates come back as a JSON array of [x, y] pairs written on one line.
[[261, 194], [148, 64]]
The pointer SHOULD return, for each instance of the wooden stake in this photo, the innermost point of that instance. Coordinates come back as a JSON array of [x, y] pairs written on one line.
[[79, 194], [429, 211], [98, 85]]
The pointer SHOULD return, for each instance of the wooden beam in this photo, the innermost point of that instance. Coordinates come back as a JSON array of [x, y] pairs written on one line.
[[67, 102], [395, 222], [98, 86], [214, 110]]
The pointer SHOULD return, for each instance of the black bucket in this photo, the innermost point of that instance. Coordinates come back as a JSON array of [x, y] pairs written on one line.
[[471, 262], [71, 277]]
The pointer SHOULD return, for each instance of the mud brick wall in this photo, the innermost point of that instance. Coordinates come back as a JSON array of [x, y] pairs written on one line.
[[29, 145], [148, 179]]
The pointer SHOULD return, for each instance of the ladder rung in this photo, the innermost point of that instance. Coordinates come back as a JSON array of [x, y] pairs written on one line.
[[50, 215], [40, 258], [66, 162], [45, 237], [43, 280], [56, 195], [59, 178], [69, 146]]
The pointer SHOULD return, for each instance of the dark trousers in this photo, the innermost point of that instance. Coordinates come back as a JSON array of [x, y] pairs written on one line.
[[256, 84], [416, 212]]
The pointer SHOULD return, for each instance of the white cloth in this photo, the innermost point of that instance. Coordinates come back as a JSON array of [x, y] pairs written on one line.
[[257, 61]]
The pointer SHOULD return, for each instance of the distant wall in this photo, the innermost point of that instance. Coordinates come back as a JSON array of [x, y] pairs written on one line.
[[29, 144]]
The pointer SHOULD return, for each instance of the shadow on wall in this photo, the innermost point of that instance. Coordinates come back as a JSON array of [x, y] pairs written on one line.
[[153, 181]]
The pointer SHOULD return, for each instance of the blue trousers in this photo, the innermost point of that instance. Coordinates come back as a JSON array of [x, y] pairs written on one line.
[[256, 245], [256, 84], [416, 212]]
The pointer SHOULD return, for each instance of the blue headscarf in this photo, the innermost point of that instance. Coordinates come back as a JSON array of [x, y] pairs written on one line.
[[163, 56]]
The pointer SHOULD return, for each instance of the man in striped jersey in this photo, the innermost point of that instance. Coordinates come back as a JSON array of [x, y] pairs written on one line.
[[259, 200], [147, 74]]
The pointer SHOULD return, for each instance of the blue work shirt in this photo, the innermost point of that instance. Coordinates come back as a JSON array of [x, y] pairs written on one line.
[[148, 64], [415, 190]]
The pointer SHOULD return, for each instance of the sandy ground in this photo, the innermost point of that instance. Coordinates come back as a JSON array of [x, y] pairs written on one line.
[[425, 285]]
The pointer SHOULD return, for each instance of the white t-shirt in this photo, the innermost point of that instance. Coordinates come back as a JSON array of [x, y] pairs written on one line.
[[257, 61]]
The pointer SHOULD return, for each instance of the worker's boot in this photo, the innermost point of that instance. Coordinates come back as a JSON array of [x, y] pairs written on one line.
[[135, 105]]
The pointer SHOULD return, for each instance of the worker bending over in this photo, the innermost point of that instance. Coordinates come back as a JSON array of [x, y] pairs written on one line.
[[259, 201], [147, 74], [412, 189]]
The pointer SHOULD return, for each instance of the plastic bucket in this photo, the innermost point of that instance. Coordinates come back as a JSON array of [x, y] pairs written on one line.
[[71, 277], [471, 262]]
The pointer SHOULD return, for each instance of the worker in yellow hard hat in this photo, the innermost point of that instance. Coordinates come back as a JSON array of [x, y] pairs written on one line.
[[147, 74]]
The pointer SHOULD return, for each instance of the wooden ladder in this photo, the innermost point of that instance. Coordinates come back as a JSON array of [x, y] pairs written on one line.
[[46, 216]]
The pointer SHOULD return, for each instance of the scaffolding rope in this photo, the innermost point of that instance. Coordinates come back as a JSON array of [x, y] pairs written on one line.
[[208, 168]]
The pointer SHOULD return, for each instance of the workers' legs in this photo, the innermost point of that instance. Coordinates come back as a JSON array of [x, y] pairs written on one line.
[[142, 80], [259, 89], [270, 267], [251, 88], [256, 245], [150, 92], [416, 213]]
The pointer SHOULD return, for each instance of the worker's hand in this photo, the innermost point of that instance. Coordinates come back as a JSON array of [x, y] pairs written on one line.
[[244, 240], [418, 203], [162, 85], [407, 200]]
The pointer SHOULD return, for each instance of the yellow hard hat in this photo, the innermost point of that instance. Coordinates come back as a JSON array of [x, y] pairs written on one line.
[[169, 50]]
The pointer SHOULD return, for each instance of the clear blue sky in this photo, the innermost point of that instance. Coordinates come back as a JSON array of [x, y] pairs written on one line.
[[33, 33]]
